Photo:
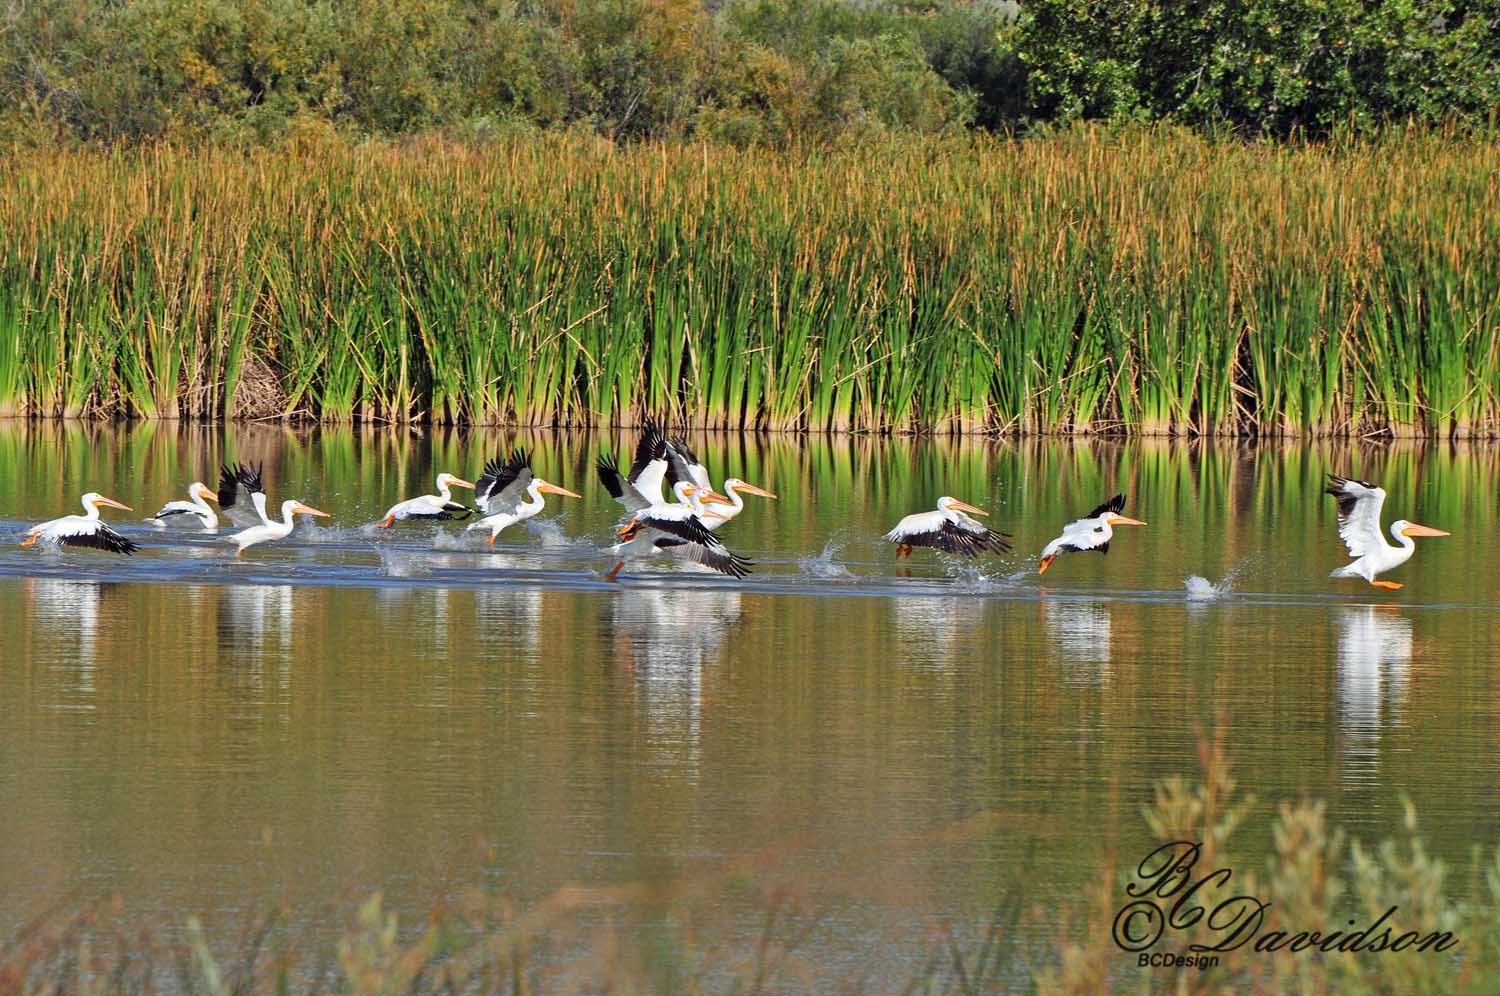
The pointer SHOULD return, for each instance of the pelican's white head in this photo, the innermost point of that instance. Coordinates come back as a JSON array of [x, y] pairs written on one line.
[[735, 484], [548, 488], [684, 490], [93, 500], [201, 491], [1401, 529], [946, 503], [445, 481], [292, 507]]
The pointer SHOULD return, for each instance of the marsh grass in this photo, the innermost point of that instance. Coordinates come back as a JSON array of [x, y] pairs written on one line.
[[1142, 281], [1315, 877]]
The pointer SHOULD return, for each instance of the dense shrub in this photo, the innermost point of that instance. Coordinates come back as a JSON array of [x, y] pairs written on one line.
[[771, 72], [1263, 66]]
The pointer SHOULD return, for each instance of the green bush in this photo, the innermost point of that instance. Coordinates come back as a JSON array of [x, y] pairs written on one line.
[[1262, 67], [751, 72]]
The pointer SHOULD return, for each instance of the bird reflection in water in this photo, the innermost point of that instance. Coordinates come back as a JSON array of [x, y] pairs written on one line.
[[1374, 661], [421, 610], [511, 619], [935, 631], [64, 611], [668, 636], [255, 618], [1081, 631]]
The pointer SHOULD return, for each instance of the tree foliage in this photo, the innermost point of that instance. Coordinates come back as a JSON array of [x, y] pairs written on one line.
[[775, 72], [1263, 67]]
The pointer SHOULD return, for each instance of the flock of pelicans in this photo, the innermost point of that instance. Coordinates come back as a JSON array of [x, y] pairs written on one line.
[[508, 492]]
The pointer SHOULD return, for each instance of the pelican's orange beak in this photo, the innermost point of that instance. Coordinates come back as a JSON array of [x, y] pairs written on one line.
[[309, 510], [751, 489], [1046, 563], [1122, 520], [964, 506], [101, 500], [715, 496], [454, 482], [207, 495], [553, 489], [1412, 529]]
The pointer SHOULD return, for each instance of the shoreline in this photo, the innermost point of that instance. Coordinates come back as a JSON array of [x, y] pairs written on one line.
[[1124, 433]]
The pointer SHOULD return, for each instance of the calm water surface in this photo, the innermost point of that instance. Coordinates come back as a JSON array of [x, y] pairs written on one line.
[[347, 712]]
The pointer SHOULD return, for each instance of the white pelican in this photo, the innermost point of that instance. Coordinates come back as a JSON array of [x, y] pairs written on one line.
[[677, 524], [242, 496], [197, 507], [440, 506], [271, 529], [641, 488], [1359, 528], [83, 530], [683, 465], [947, 529], [508, 493], [1090, 533]]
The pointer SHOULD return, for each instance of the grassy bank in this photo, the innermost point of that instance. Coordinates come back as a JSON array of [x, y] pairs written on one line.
[[1147, 281]]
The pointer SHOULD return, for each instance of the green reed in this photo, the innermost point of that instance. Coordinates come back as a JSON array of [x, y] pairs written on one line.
[[1141, 281]]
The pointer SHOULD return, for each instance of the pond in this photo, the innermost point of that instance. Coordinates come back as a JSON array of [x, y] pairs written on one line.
[[882, 747]]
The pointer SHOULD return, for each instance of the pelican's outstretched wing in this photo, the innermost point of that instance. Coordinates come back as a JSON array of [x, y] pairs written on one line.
[[966, 538], [677, 521], [1359, 514], [172, 508], [650, 466], [683, 465], [720, 559], [682, 528], [951, 534], [1115, 505], [238, 486], [641, 488], [86, 533], [502, 486]]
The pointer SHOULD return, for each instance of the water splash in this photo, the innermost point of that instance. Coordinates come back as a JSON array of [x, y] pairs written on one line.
[[1201, 589], [310, 532], [824, 565], [442, 539], [396, 564], [550, 532], [968, 576]]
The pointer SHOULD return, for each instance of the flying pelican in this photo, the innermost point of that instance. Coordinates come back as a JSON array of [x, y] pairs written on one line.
[[508, 493], [641, 488], [1092, 532], [683, 465], [242, 495], [270, 529], [1359, 528], [440, 506], [83, 530], [677, 524], [947, 529], [197, 507]]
